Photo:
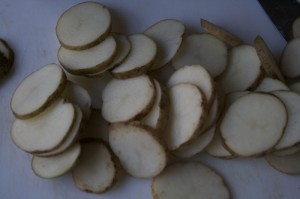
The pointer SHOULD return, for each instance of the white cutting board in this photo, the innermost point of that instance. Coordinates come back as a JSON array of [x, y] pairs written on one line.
[[29, 27]]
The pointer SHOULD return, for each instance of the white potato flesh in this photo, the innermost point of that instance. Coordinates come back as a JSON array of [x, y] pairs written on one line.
[[286, 164], [253, 124], [296, 28], [197, 75], [168, 36], [291, 134], [142, 54], [290, 59], [288, 151], [269, 84], [54, 166], [78, 95], [96, 169], [90, 60], [243, 69], [37, 91], [83, 25], [141, 153], [70, 139], [191, 180], [4, 49], [127, 99], [203, 49], [186, 116], [197, 145], [46, 131]]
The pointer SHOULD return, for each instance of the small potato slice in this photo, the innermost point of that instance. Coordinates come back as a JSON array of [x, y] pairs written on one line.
[[167, 34], [268, 85], [296, 28], [83, 26], [221, 34], [204, 49], [78, 95], [46, 131], [96, 170], [38, 91], [187, 115], [140, 151], [291, 135], [6, 58], [141, 57], [286, 164], [253, 124], [243, 70], [189, 180], [51, 167], [91, 60], [128, 99], [290, 59]]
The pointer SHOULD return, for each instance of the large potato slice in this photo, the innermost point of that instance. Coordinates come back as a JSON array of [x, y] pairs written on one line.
[[83, 25], [290, 59], [37, 91], [189, 180], [286, 164], [6, 58]]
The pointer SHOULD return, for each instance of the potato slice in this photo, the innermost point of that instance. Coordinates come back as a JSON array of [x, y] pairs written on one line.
[[203, 49], [290, 59], [167, 34], [243, 70], [268, 84], [141, 57], [221, 34], [189, 180], [38, 91], [6, 58], [253, 124], [268, 62], [140, 151], [78, 95], [91, 60], [51, 167], [288, 151], [197, 145], [129, 99], [291, 134], [46, 131], [96, 170], [296, 28], [83, 26], [187, 115], [286, 164]]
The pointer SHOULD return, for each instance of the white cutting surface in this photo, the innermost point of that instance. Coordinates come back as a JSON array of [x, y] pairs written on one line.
[[29, 27]]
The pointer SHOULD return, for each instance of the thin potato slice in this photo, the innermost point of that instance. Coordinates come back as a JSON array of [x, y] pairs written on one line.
[[187, 115], [140, 151], [167, 34], [128, 99], [253, 124], [221, 34], [46, 131], [290, 59], [140, 58], [288, 151], [51, 167], [38, 91], [189, 180], [91, 60], [296, 28], [6, 58], [203, 49], [96, 170], [286, 164], [268, 84], [83, 26]]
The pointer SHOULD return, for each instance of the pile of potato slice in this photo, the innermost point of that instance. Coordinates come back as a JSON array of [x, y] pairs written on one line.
[[162, 94]]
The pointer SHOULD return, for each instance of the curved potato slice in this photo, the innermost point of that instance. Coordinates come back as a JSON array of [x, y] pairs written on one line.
[[268, 84]]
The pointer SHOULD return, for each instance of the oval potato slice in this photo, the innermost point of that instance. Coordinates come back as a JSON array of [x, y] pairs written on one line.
[[287, 164]]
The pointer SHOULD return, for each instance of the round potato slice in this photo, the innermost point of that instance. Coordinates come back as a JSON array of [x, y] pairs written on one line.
[[189, 180], [51, 167], [290, 59], [187, 115], [203, 49], [268, 84], [129, 99], [91, 60], [83, 26], [38, 91], [46, 131], [287, 164], [141, 153], [96, 170], [253, 124], [6, 58]]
